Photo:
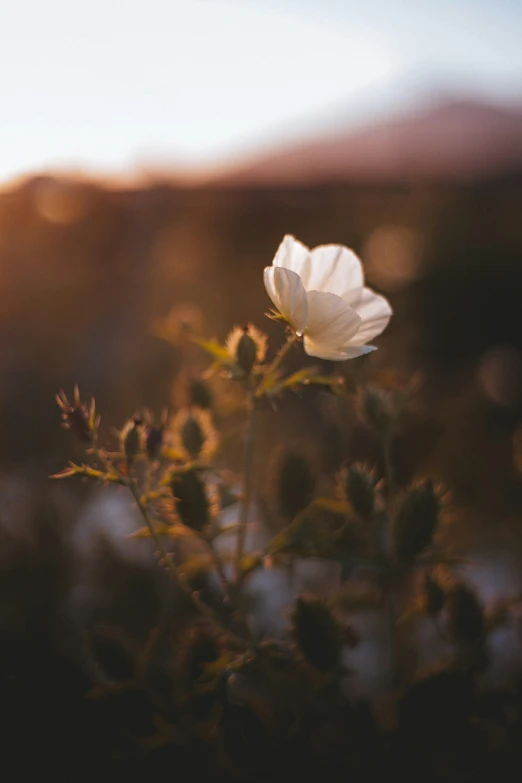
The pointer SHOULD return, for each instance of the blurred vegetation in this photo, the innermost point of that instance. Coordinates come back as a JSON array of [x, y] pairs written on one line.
[[89, 277]]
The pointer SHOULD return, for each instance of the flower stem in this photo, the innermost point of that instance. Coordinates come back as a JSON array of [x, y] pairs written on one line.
[[247, 488]]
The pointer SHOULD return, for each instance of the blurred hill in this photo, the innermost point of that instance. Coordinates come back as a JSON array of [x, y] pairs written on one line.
[[449, 141]]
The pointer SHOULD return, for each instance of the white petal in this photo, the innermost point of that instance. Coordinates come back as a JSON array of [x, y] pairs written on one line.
[[286, 291], [375, 313], [331, 325], [330, 268], [333, 269], [292, 254]]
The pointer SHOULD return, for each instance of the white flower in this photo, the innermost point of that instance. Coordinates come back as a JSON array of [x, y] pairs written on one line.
[[321, 294]]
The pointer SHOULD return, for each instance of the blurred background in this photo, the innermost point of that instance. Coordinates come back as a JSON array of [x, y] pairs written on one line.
[[153, 155]]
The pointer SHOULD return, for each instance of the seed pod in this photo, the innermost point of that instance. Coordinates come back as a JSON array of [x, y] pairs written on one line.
[[416, 521], [465, 615], [191, 500], [295, 484], [317, 634], [434, 596], [78, 417], [200, 395], [361, 490]]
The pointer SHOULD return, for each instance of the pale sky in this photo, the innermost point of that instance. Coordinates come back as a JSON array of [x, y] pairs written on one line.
[[104, 85]]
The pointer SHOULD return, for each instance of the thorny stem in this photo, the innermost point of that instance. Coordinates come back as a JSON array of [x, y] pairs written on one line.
[[175, 572]]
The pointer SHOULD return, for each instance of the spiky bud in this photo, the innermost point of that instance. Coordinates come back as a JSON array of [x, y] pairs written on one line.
[[200, 395], [192, 437], [247, 346], [132, 438], [416, 521], [376, 406], [360, 490], [191, 500], [433, 595], [77, 416], [317, 634], [154, 441], [193, 433], [295, 484], [465, 615]]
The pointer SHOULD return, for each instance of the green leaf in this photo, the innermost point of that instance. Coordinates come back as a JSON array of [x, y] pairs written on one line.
[[218, 351], [249, 563]]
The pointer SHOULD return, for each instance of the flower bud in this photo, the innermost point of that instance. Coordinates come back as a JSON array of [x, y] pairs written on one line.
[[247, 346], [295, 484], [200, 395], [77, 416], [317, 634], [154, 441], [465, 615], [416, 521], [192, 437], [132, 437], [193, 433], [360, 490], [191, 500], [376, 406]]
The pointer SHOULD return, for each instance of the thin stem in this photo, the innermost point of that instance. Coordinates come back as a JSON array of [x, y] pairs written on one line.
[[280, 355], [247, 489]]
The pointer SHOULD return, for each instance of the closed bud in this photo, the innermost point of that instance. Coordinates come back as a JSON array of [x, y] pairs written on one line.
[[77, 416], [416, 521], [246, 352], [247, 346], [360, 490], [465, 615], [193, 433], [377, 408], [154, 441], [191, 500], [132, 438], [317, 634], [200, 395], [295, 484], [433, 595], [192, 437]]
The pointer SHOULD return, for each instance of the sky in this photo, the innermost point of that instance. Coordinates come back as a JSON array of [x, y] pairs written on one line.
[[114, 85]]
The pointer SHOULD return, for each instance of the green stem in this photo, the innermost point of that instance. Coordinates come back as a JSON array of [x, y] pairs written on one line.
[[247, 488]]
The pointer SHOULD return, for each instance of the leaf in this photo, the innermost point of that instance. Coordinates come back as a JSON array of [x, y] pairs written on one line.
[[225, 530], [300, 377], [249, 563], [218, 351], [65, 473], [331, 505], [211, 668]]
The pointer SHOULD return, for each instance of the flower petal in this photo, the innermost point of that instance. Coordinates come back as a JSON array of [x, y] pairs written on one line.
[[330, 268], [286, 291], [375, 313], [331, 325]]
